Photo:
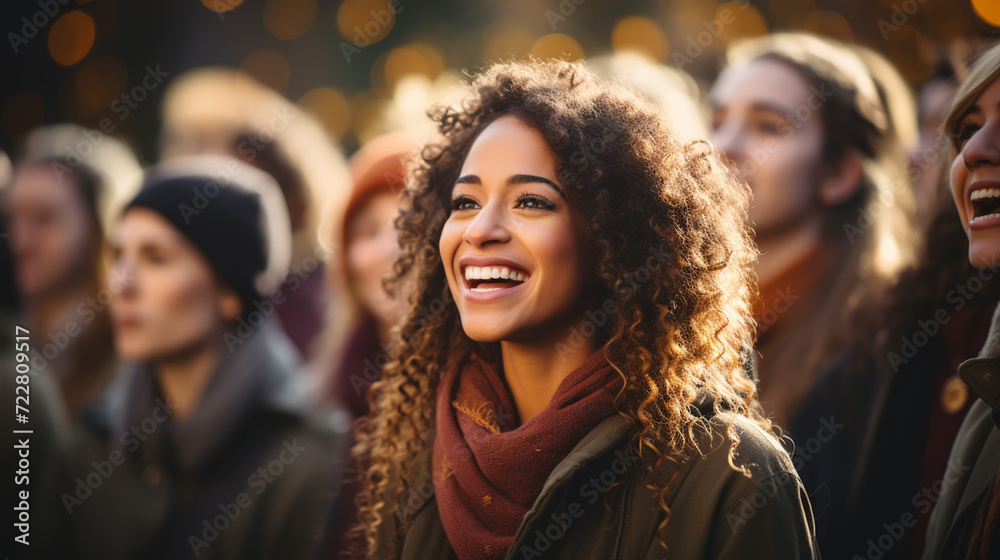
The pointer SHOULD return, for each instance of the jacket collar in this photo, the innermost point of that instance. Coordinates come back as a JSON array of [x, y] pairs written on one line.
[[982, 375], [256, 375]]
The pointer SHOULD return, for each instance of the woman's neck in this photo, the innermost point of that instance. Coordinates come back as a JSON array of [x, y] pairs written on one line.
[[184, 377], [779, 253], [534, 370]]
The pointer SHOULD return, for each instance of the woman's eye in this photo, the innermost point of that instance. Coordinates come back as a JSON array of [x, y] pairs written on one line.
[[462, 203], [965, 131], [534, 202], [771, 127]]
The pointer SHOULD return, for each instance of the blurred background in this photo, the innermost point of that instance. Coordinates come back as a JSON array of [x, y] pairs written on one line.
[[341, 60]]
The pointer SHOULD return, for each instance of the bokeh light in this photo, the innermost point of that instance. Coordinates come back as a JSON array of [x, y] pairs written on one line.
[[269, 67], [738, 20], [289, 19], [21, 112], [71, 38], [220, 6], [790, 14], [988, 11], [829, 24], [911, 53], [507, 40], [417, 58], [557, 45], [330, 107], [365, 22], [99, 81], [642, 35], [366, 112]]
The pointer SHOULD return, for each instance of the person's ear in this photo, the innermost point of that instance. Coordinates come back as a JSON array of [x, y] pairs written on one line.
[[230, 306], [842, 179]]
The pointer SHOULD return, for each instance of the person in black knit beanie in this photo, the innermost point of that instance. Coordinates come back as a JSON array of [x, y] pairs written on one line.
[[213, 449]]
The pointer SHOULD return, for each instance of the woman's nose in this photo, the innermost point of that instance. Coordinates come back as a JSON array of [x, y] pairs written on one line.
[[487, 227], [983, 148], [123, 277]]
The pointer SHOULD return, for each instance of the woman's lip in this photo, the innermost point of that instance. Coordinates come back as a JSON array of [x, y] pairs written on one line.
[[482, 297], [981, 184], [126, 322], [984, 224]]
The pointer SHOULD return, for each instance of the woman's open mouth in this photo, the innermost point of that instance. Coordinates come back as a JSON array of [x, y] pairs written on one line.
[[985, 207], [492, 278]]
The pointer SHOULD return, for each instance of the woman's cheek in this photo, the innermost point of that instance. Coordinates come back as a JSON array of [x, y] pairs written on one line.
[[958, 177]]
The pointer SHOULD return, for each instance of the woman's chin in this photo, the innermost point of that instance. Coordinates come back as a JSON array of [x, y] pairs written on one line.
[[985, 253], [479, 334]]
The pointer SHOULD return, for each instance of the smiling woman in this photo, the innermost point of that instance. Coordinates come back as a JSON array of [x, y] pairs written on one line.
[[553, 384], [964, 521]]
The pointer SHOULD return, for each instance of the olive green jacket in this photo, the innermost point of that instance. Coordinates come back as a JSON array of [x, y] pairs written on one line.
[[595, 504]]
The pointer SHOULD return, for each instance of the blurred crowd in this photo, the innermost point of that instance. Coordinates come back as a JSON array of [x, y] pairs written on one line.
[[204, 329]]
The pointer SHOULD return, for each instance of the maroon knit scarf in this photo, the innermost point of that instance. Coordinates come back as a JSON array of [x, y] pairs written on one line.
[[487, 475]]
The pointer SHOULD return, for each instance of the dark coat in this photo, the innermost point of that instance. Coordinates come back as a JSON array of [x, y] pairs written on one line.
[[249, 474], [595, 504], [974, 461]]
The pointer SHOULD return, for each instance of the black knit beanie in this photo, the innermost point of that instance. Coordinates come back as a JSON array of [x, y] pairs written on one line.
[[222, 220]]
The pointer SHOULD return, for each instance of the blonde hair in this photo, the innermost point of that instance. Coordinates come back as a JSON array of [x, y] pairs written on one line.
[[983, 72]]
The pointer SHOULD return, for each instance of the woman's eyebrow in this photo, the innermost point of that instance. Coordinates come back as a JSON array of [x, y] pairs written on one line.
[[522, 179], [519, 179]]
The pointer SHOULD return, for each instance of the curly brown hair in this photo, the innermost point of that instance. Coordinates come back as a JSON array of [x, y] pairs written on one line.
[[678, 334]]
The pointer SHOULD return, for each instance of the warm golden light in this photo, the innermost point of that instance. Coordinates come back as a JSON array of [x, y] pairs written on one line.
[[364, 22], [330, 107], [71, 38], [988, 11], [557, 45], [829, 24], [642, 35], [220, 6], [269, 67], [289, 19]]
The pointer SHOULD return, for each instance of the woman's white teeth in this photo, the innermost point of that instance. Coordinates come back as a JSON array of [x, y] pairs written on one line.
[[488, 273], [985, 193], [986, 217]]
